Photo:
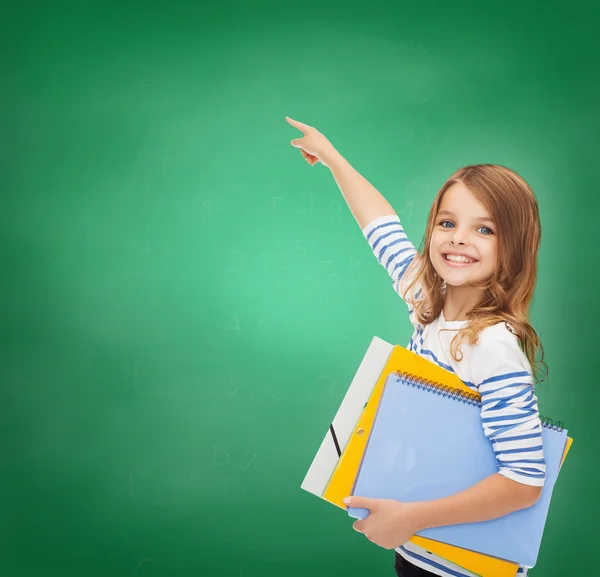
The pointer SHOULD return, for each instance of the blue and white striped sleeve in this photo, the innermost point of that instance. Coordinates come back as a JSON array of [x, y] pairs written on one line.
[[393, 250], [509, 407]]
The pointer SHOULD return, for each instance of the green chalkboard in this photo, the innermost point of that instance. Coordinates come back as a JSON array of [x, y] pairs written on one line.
[[185, 300]]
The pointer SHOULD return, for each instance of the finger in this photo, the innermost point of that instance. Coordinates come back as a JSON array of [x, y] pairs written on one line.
[[299, 125], [359, 526], [363, 502], [310, 158], [297, 142]]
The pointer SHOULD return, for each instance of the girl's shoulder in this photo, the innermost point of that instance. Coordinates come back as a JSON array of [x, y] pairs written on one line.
[[497, 352]]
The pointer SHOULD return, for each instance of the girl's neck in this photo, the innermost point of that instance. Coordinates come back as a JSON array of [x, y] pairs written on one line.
[[458, 301]]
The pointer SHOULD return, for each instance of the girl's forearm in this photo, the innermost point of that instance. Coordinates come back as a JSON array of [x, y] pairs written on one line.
[[365, 202], [493, 497]]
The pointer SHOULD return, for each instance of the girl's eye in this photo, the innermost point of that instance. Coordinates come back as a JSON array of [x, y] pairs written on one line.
[[485, 230], [446, 222]]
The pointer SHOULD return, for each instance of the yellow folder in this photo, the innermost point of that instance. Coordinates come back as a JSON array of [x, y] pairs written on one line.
[[341, 482]]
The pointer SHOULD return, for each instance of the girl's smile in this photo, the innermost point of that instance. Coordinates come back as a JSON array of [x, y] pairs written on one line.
[[457, 259]]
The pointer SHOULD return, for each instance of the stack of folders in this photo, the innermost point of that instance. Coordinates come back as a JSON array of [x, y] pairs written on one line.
[[410, 430]]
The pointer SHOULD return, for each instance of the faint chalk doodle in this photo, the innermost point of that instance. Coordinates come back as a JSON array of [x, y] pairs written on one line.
[[220, 457], [275, 393], [206, 210], [408, 210], [282, 249], [229, 387], [248, 460], [274, 201], [233, 275], [308, 281], [417, 50], [234, 325], [310, 210], [335, 211], [333, 283], [136, 374], [354, 264], [407, 137], [322, 383]]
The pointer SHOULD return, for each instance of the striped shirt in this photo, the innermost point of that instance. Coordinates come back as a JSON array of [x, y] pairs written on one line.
[[495, 367]]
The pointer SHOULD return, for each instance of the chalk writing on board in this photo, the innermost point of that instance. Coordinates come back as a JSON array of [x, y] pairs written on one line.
[[206, 210], [333, 283], [406, 213], [220, 457], [276, 395], [274, 202], [417, 50], [230, 388], [233, 275], [334, 211], [309, 207], [248, 460], [135, 375], [234, 325], [321, 384], [282, 247]]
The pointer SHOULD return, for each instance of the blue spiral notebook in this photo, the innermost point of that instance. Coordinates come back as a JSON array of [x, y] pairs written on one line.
[[427, 442]]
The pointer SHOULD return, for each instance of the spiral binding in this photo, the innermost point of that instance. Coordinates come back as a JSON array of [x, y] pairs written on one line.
[[460, 395], [550, 424], [440, 389]]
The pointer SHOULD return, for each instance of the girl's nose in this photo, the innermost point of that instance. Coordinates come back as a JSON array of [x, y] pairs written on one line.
[[458, 237]]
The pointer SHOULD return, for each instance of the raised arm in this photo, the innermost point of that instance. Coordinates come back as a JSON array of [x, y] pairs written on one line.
[[377, 219], [365, 202]]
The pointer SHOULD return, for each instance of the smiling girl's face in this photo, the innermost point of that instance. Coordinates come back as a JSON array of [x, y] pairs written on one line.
[[464, 245]]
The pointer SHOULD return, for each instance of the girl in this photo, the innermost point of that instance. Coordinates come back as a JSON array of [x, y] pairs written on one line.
[[468, 294]]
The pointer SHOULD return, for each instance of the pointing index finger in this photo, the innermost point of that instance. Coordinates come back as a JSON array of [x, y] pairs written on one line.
[[298, 125]]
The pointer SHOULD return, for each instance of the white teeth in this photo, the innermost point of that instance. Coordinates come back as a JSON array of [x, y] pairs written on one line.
[[458, 258]]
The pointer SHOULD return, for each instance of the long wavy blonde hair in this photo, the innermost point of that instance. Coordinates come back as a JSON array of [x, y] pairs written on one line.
[[506, 296]]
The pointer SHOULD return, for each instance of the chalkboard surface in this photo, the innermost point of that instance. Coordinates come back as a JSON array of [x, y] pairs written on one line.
[[184, 300]]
